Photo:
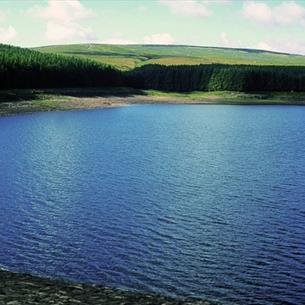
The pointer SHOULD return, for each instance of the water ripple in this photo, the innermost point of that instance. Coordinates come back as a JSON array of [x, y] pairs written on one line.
[[202, 201]]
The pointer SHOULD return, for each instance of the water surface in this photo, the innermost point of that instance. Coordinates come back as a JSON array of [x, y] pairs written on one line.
[[185, 200]]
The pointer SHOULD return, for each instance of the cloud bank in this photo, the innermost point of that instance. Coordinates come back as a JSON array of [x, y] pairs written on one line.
[[64, 20], [285, 13], [7, 34], [187, 7], [159, 38]]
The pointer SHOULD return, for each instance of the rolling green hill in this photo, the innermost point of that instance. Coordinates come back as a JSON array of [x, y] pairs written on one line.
[[126, 57], [25, 68]]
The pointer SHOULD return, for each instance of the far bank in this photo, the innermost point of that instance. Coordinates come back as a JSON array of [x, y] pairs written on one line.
[[27, 100]]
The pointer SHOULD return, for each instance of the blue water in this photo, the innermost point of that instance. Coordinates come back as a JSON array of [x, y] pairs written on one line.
[[185, 200]]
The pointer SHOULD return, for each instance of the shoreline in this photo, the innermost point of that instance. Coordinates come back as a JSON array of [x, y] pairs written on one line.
[[26, 289], [29, 101]]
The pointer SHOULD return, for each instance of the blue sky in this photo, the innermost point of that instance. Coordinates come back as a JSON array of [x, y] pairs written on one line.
[[273, 25]]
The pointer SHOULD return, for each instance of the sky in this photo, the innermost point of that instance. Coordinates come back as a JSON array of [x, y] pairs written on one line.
[[270, 25]]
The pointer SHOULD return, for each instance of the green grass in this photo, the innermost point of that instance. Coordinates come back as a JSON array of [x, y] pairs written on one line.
[[127, 57], [234, 96]]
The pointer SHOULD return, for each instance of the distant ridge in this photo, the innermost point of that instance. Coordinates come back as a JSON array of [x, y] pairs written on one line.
[[126, 57], [171, 46], [214, 47]]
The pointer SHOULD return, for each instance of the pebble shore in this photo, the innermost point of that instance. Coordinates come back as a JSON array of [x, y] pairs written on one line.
[[24, 289]]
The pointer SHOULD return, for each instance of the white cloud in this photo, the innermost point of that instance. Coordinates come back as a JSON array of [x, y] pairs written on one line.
[[61, 11], [116, 38], [289, 12], [284, 13], [7, 34], [142, 8], [63, 20], [2, 16], [224, 38], [118, 41], [62, 32], [159, 38], [263, 45], [291, 46], [226, 41], [187, 7], [257, 11], [222, 2]]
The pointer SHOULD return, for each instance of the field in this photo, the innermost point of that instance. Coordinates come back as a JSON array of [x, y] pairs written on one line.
[[126, 57]]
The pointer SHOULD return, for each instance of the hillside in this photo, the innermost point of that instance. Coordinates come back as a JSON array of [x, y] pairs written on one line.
[[126, 57], [26, 68]]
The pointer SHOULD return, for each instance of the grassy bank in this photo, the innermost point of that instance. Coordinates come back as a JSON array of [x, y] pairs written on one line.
[[19, 101], [23, 289]]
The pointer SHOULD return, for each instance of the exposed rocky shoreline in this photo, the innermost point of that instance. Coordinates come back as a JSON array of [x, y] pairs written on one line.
[[26, 100], [25, 289]]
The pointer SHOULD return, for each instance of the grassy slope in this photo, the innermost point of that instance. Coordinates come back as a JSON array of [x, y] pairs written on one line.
[[129, 56]]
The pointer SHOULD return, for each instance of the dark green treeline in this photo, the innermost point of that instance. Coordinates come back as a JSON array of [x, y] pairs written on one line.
[[215, 77], [24, 68]]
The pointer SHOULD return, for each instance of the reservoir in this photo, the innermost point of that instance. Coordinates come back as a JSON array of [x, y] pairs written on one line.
[[202, 201]]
